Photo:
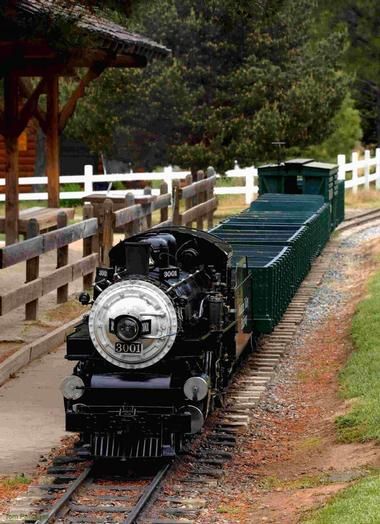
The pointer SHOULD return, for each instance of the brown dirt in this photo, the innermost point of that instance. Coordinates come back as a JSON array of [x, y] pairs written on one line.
[[290, 460]]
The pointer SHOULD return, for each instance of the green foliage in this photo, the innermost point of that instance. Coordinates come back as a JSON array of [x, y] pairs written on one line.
[[242, 75], [360, 377], [362, 59], [345, 136], [359, 504]]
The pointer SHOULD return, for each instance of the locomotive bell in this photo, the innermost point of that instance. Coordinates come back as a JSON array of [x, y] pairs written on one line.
[[133, 324]]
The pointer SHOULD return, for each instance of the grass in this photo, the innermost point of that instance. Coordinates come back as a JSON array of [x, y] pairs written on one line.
[[360, 377], [359, 504], [364, 198]]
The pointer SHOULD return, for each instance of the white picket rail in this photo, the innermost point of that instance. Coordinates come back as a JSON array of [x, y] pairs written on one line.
[[363, 171], [357, 172], [88, 179]]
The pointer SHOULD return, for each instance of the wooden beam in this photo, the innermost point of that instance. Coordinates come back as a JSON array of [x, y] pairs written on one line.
[[2, 126], [94, 72], [39, 114], [30, 106], [52, 140], [11, 101]]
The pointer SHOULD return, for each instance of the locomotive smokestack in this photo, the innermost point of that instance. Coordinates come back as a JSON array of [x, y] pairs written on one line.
[[137, 258]]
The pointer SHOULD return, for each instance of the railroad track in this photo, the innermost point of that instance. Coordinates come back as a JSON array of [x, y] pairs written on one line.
[[358, 220], [75, 493]]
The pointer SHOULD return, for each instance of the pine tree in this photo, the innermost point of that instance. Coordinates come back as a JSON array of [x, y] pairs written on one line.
[[242, 76]]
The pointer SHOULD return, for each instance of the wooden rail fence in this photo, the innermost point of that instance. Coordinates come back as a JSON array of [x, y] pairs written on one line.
[[30, 250], [193, 203], [199, 201]]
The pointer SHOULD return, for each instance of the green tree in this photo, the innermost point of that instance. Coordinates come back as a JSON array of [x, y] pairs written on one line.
[[362, 59], [242, 76]]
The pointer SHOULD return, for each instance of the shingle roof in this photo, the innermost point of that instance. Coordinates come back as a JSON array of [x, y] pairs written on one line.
[[107, 35]]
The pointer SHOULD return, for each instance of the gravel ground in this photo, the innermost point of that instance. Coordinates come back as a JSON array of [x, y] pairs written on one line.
[[297, 407], [329, 298]]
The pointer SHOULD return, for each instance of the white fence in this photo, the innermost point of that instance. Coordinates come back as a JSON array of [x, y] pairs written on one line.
[[88, 179], [357, 172], [360, 172]]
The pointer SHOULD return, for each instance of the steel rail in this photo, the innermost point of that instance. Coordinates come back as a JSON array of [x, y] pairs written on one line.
[[148, 492], [364, 218], [52, 515]]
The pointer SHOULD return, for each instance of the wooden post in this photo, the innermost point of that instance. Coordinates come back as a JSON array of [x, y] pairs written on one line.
[[52, 140], [107, 231], [188, 201], [355, 159], [32, 270], [62, 259], [148, 218], [209, 194], [163, 210], [367, 158], [200, 199], [177, 219], [11, 111], [88, 244], [130, 227]]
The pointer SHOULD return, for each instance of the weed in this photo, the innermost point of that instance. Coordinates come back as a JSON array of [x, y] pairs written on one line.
[[15, 482]]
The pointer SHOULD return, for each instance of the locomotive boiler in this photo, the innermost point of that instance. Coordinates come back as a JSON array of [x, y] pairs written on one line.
[[168, 320]]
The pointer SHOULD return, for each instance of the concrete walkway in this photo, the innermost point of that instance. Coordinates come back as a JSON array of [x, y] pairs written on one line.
[[31, 413]]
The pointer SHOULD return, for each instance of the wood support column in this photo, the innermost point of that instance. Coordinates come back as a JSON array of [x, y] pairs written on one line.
[[52, 140], [11, 103]]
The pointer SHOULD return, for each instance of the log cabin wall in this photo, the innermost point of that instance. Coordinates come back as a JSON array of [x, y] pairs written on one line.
[[27, 156]]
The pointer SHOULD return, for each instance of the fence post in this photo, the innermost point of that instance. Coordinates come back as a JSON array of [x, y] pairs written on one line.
[[377, 168], [200, 199], [210, 194], [188, 201], [88, 244], [107, 231], [341, 167], [147, 207], [32, 269], [249, 186], [164, 210], [130, 227], [177, 219], [168, 172], [88, 178], [355, 158], [62, 259], [367, 158]]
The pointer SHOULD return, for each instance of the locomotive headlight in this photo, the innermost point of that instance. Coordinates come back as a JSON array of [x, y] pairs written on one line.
[[72, 387], [127, 328], [196, 388]]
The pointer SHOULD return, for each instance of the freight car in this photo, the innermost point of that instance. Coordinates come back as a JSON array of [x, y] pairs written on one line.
[[174, 313]]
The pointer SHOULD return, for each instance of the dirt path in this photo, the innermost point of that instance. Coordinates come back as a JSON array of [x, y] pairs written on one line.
[[32, 414], [14, 330], [290, 461]]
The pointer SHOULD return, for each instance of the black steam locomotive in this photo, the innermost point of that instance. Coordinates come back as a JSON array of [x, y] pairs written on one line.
[[168, 321]]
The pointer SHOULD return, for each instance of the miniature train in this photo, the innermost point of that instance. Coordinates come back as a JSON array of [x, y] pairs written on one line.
[[172, 316]]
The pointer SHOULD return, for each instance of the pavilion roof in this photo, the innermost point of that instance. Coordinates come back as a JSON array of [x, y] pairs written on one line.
[[102, 33]]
